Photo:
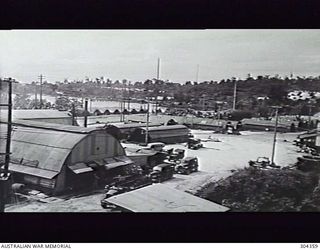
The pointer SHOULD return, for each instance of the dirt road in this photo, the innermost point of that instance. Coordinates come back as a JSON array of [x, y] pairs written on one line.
[[216, 160]]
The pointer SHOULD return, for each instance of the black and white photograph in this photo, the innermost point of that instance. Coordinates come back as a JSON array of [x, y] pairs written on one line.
[[165, 121]]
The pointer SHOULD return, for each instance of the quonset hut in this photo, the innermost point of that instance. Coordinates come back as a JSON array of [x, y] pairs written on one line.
[[56, 158], [165, 134]]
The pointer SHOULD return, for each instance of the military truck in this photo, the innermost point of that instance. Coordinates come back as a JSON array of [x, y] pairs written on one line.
[[187, 166]]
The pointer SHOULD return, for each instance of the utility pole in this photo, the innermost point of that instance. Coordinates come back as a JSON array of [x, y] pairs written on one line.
[[85, 112], [129, 103], [147, 127], [309, 118], [158, 78], [156, 106], [73, 112], [158, 69], [41, 78], [120, 102], [35, 97], [275, 135], [4, 173], [123, 108], [234, 96], [203, 101], [218, 115]]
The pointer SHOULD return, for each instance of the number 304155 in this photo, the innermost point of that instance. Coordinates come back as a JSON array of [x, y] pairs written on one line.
[[309, 246]]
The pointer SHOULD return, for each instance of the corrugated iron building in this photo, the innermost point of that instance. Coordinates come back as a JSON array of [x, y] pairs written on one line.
[[256, 124], [58, 158], [122, 131], [165, 134]]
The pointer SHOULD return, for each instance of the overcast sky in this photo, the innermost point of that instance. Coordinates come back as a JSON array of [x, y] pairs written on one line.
[[132, 55]]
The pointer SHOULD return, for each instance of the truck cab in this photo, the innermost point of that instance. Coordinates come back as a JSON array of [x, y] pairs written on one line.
[[187, 166], [162, 172]]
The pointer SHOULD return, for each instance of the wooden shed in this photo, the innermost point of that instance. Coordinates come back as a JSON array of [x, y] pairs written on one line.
[[165, 134], [59, 158]]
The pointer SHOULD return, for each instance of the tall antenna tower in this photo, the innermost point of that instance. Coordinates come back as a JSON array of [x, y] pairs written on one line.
[[158, 69]]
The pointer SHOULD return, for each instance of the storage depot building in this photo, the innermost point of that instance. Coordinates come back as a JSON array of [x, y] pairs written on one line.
[[59, 158]]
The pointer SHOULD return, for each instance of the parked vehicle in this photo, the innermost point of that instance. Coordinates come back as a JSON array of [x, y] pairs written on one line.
[[175, 155], [194, 144], [156, 146], [162, 172], [124, 184], [187, 166], [263, 162], [308, 163]]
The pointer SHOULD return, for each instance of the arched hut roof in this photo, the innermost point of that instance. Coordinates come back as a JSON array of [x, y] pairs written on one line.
[[41, 149]]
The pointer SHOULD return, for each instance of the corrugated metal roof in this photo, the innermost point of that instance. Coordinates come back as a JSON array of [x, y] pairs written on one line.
[[141, 151], [56, 127], [265, 123], [36, 114], [32, 171], [161, 198], [170, 127], [131, 125], [114, 162], [123, 159], [50, 148], [80, 168], [308, 135]]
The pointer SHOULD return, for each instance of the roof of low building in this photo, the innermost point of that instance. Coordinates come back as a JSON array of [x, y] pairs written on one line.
[[130, 125], [261, 122], [55, 127], [161, 198], [309, 134], [169, 127], [36, 114]]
